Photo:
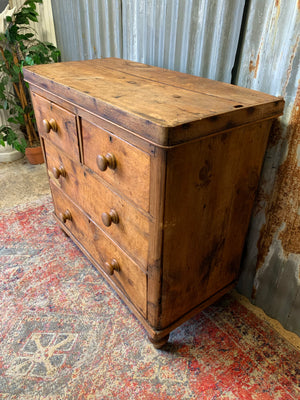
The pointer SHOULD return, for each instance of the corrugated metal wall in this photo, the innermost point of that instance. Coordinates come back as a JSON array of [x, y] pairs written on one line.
[[195, 36], [269, 61], [88, 29]]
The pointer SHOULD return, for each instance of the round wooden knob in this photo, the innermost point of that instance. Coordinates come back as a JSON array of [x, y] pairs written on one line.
[[50, 124], [112, 266], [66, 215], [106, 161], [109, 218], [60, 171]]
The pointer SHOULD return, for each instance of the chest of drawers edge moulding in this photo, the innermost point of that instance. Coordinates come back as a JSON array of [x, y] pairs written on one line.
[[176, 160]]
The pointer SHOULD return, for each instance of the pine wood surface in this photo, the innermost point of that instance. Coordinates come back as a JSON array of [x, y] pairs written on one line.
[[132, 230], [66, 135], [130, 278], [132, 173], [151, 106], [184, 156], [207, 215]]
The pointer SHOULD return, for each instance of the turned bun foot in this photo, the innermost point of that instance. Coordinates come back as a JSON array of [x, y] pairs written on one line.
[[159, 343]]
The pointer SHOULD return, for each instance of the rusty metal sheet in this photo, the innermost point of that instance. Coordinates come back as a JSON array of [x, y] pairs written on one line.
[[269, 62]]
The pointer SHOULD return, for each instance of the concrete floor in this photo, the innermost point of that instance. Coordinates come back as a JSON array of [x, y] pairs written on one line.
[[22, 183]]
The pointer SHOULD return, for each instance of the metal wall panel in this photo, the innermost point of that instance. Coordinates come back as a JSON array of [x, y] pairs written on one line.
[[199, 37], [88, 29], [269, 61]]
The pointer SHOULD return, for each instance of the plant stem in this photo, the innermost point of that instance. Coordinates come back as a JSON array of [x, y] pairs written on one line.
[[7, 66], [19, 89]]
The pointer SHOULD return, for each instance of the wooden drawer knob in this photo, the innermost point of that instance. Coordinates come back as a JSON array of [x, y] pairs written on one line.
[[109, 218], [112, 266], [60, 171], [66, 215], [106, 161], [50, 124]]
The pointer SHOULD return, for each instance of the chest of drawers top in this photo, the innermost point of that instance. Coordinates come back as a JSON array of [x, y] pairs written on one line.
[[162, 106]]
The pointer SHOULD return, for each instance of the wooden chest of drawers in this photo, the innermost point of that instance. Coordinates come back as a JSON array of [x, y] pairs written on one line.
[[153, 174]]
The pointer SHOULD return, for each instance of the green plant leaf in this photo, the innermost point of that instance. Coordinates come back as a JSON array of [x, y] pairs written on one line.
[[33, 17], [21, 145], [32, 2], [4, 80], [20, 39], [17, 69], [11, 119], [29, 60], [11, 33], [19, 109]]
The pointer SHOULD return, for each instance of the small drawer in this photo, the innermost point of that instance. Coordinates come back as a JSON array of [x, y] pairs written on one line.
[[117, 217], [120, 164], [56, 124], [113, 261]]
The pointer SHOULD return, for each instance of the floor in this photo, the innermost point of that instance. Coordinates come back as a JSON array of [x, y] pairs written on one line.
[[21, 183]]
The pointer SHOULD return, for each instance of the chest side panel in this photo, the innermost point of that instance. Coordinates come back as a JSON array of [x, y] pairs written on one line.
[[210, 189]]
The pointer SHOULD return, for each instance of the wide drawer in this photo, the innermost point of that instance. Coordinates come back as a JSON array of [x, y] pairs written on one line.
[[122, 165], [130, 230], [129, 278], [56, 124]]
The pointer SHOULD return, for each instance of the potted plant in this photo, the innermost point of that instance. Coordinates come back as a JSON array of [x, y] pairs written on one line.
[[19, 47]]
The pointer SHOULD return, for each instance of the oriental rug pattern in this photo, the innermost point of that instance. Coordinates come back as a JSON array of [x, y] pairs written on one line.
[[64, 334]]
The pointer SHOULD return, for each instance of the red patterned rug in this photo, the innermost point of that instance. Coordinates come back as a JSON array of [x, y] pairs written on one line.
[[64, 334]]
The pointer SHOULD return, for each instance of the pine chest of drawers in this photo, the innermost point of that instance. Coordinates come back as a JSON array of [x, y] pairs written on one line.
[[153, 175]]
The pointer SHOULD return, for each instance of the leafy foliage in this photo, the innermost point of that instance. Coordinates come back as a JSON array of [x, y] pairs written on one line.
[[19, 47]]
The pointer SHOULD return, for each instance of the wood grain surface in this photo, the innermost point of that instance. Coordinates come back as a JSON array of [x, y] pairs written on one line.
[[150, 104], [130, 278], [66, 136], [132, 230], [132, 173], [210, 189], [173, 161]]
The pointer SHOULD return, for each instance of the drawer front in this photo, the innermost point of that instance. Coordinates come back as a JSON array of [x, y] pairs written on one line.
[[130, 279], [56, 124], [120, 164], [129, 228]]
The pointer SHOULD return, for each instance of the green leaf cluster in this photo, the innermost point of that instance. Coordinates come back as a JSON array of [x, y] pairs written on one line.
[[9, 136], [19, 47]]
